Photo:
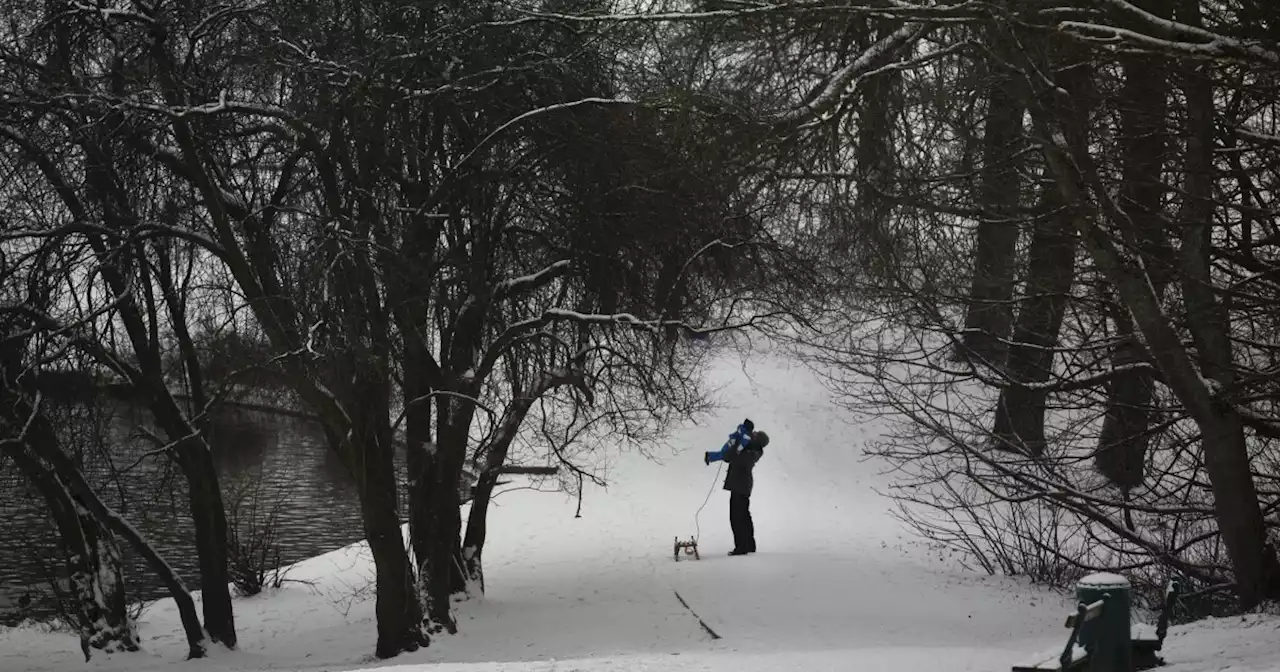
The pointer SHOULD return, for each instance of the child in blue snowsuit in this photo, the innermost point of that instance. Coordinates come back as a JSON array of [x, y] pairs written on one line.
[[744, 448]]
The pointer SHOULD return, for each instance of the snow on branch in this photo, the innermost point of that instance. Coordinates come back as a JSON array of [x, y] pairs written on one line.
[[1216, 46], [667, 17], [508, 288], [718, 243], [847, 77], [518, 332], [108, 14], [898, 9], [1263, 138], [494, 450], [537, 112], [1263, 425], [222, 106], [629, 320], [530, 329], [1167, 26], [442, 393]]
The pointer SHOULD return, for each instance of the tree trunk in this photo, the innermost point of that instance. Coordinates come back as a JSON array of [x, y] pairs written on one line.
[[870, 241], [1020, 410], [187, 613], [369, 452], [399, 614], [418, 445], [417, 464], [478, 527], [495, 456], [210, 518], [204, 492], [93, 559], [443, 559], [112, 628], [43, 443], [208, 515], [444, 554], [1122, 445], [990, 312]]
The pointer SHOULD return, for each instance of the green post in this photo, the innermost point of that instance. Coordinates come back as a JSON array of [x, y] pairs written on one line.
[[1107, 638]]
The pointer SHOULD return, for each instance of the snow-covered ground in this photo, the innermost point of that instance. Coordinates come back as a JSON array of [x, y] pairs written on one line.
[[836, 585]]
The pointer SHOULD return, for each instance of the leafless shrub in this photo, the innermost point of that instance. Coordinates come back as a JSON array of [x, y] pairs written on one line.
[[347, 594], [253, 535]]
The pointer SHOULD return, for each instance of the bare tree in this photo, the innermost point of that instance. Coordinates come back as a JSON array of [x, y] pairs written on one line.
[[989, 315], [32, 341], [78, 150], [95, 570], [1106, 272]]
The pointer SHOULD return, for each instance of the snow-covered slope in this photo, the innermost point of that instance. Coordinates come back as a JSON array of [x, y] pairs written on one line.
[[836, 584]]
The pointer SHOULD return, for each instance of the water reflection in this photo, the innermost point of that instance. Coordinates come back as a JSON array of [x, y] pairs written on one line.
[[264, 460]]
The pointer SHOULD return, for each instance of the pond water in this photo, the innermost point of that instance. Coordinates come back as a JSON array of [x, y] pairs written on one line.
[[270, 465]]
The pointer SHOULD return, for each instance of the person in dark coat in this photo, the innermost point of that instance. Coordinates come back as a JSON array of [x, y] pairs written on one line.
[[744, 448]]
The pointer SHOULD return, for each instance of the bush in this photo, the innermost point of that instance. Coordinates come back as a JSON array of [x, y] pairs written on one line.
[[253, 542]]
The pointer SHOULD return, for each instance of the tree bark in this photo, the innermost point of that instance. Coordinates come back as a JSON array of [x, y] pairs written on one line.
[[495, 456], [870, 241], [112, 629], [418, 448], [443, 560], [94, 566], [44, 446], [208, 513], [1122, 445], [93, 558], [990, 311], [478, 528], [187, 613], [194, 457], [419, 370], [369, 451], [1020, 410]]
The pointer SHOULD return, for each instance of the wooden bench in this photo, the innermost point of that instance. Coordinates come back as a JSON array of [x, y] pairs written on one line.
[[1146, 640]]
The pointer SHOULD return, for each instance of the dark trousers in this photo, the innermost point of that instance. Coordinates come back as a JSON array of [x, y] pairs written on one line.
[[744, 531]]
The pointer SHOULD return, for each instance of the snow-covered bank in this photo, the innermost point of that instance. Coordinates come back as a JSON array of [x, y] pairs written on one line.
[[837, 585]]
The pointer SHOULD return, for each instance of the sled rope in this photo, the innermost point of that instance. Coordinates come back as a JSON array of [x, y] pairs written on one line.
[[696, 527]]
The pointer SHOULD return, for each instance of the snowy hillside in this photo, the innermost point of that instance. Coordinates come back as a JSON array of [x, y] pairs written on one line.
[[836, 584]]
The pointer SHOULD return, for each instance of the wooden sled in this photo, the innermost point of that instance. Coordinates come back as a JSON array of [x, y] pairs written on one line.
[[690, 548]]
